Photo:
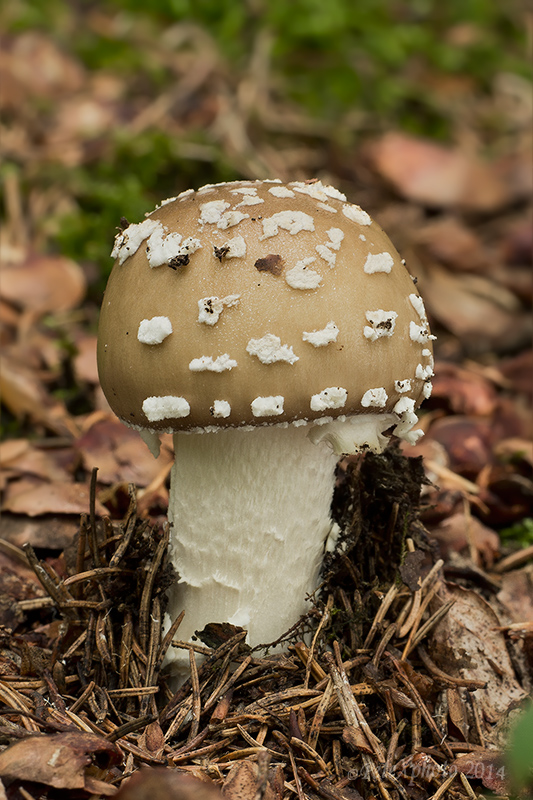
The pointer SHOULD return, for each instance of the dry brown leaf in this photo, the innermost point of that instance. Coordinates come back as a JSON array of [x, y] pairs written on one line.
[[37, 498], [24, 395], [484, 765], [32, 65], [466, 392], [51, 532], [458, 532], [516, 594], [471, 628], [166, 784], [119, 453], [58, 760], [242, 783], [22, 458], [457, 711], [450, 242], [438, 176], [85, 367], [44, 283], [467, 441], [476, 310]]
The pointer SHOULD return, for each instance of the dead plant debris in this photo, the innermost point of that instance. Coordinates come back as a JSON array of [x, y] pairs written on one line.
[[370, 697]]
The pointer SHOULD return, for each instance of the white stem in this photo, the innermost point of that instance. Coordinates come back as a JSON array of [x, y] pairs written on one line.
[[250, 514]]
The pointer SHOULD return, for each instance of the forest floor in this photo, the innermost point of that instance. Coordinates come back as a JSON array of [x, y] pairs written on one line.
[[416, 659]]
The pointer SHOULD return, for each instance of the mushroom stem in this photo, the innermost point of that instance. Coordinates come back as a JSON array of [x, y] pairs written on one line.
[[250, 515]]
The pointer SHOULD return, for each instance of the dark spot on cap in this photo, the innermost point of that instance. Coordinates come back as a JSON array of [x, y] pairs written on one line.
[[123, 224], [271, 263], [221, 252], [179, 261]]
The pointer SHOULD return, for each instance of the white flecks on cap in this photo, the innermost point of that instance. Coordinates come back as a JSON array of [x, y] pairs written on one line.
[[212, 211], [332, 397], [418, 305], [250, 200], [292, 221], [165, 407], [209, 364], [245, 190], [356, 214], [210, 308], [128, 241], [331, 191], [326, 207], [420, 333], [378, 262], [154, 330], [162, 246], [423, 373], [267, 406], [184, 195], [169, 200], [403, 386], [314, 189], [374, 397], [269, 350], [322, 337], [281, 191], [427, 389], [335, 236], [231, 218], [220, 408], [328, 255], [382, 323], [232, 248], [404, 405], [362, 237], [428, 354], [301, 277]]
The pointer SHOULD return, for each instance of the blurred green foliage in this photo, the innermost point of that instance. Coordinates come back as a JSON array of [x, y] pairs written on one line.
[[521, 533], [519, 754], [376, 58]]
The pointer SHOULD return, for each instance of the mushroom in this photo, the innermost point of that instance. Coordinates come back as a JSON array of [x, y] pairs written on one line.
[[271, 328]]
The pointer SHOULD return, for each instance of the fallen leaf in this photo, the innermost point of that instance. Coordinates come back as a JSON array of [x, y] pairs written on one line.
[[51, 497], [34, 66], [519, 370], [161, 783], [438, 176], [119, 453], [467, 441], [84, 362], [58, 760], [457, 711], [457, 532], [471, 628], [24, 395], [49, 531], [486, 766], [23, 458], [476, 310], [464, 391], [450, 242], [516, 594], [242, 783], [44, 283]]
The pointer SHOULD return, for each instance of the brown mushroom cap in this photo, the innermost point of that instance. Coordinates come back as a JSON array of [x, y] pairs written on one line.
[[274, 303]]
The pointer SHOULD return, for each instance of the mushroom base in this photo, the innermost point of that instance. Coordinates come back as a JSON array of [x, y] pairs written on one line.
[[250, 516]]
